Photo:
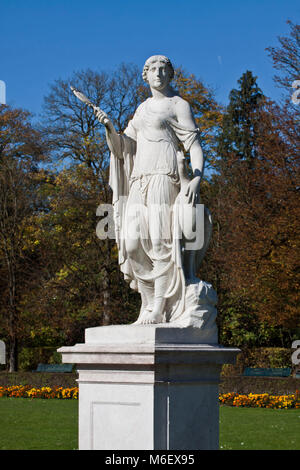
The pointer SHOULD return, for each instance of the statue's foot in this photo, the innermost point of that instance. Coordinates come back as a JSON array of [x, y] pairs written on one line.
[[142, 316], [152, 317]]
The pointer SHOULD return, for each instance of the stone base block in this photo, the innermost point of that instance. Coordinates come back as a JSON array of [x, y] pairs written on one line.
[[148, 387]]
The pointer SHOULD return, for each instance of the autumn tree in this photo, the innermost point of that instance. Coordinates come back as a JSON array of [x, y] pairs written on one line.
[[21, 150], [253, 199], [278, 235], [78, 140]]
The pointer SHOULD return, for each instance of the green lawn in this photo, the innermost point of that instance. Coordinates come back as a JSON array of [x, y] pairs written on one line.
[[38, 424], [52, 425], [259, 429]]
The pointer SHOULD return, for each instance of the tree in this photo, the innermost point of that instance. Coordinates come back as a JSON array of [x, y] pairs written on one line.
[[277, 235], [240, 121], [78, 139], [286, 58], [75, 133], [230, 188], [254, 249], [21, 150]]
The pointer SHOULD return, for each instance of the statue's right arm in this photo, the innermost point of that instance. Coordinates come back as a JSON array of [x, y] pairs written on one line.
[[113, 139]]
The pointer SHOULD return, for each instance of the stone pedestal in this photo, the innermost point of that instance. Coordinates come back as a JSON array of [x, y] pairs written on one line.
[[148, 387]]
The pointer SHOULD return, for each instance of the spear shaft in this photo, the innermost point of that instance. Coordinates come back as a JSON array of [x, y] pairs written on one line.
[[85, 100]]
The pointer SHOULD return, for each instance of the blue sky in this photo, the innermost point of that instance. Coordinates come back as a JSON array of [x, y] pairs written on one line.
[[43, 40]]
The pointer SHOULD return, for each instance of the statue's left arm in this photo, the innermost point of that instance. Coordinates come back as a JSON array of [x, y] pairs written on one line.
[[185, 118]]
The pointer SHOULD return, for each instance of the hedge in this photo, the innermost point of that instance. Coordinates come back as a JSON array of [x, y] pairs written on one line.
[[259, 357], [271, 385], [38, 379]]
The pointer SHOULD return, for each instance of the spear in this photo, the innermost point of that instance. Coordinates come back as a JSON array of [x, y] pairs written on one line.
[[86, 101]]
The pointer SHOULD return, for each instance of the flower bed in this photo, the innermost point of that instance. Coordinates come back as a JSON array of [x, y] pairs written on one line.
[[25, 391], [252, 400], [262, 400]]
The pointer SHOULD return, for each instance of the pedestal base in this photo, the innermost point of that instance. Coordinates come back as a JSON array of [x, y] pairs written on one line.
[[148, 387]]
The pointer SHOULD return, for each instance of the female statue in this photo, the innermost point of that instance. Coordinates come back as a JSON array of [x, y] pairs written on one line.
[[150, 184]]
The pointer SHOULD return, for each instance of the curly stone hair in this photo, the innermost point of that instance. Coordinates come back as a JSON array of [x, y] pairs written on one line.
[[157, 58]]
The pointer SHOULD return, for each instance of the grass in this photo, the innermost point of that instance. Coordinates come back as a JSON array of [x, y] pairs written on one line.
[[38, 424], [52, 425], [259, 429]]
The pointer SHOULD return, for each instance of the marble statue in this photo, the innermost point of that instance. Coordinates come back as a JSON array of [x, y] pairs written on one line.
[[155, 203], [133, 378]]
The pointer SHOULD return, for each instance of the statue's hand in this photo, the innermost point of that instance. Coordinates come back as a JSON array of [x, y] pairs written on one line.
[[102, 117], [192, 190]]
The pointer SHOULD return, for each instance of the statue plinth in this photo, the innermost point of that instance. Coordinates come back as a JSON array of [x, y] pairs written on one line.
[[148, 387]]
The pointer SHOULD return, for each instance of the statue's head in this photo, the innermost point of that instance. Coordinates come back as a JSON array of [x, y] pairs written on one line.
[[160, 61]]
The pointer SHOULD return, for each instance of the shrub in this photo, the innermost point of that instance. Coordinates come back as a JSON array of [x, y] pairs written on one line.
[[38, 379], [259, 357], [29, 358], [272, 385]]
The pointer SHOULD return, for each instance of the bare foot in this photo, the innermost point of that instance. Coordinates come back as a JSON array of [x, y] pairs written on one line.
[[144, 314], [151, 317]]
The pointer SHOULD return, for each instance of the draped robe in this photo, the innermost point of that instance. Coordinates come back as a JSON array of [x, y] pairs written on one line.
[[145, 176]]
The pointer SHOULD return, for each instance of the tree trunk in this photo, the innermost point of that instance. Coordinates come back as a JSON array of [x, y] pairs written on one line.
[[13, 354]]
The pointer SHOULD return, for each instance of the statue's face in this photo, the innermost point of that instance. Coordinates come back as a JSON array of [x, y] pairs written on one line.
[[158, 75]]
